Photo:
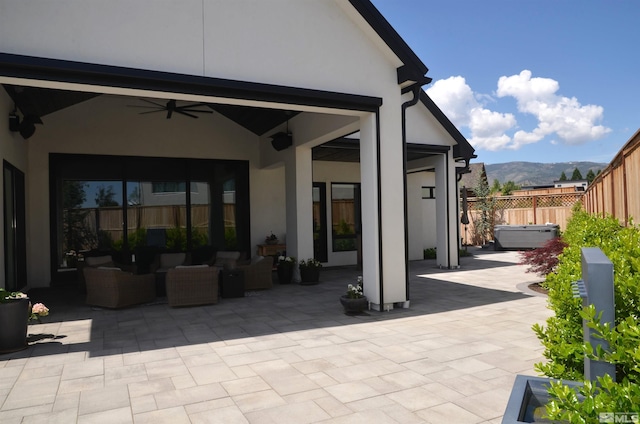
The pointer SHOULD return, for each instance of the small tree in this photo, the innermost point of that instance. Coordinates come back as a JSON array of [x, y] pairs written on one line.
[[576, 175], [496, 186], [509, 187], [105, 196], [590, 176], [563, 177], [485, 205]]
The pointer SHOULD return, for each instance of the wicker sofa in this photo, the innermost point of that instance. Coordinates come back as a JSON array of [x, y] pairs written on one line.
[[114, 288], [192, 285]]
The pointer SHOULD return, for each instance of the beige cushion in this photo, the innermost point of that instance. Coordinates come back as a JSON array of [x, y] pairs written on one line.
[[172, 260], [112, 268], [192, 266], [99, 261]]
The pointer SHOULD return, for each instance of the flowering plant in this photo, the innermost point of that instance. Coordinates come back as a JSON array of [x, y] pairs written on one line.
[[310, 263], [286, 261], [271, 238], [355, 292], [36, 311]]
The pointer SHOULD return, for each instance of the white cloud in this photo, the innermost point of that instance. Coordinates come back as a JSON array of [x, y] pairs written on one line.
[[458, 102], [563, 117]]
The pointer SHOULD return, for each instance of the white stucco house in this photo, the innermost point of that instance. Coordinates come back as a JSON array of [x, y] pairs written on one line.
[[203, 93]]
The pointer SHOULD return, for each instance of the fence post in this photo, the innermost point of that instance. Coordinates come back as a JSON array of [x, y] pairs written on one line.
[[535, 211]]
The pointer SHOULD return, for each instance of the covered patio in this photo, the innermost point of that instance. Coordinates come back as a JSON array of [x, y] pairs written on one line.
[[287, 355], [274, 127]]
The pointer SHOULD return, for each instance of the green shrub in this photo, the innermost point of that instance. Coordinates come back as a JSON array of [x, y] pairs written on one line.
[[562, 336], [429, 253]]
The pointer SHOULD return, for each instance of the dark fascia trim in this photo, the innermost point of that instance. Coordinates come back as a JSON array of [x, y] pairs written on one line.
[[427, 148], [462, 150], [417, 69], [39, 68]]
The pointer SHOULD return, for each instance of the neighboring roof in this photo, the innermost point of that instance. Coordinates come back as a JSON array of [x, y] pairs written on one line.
[[470, 180]]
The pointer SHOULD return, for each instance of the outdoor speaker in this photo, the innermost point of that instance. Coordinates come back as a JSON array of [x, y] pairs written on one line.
[[281, 140]]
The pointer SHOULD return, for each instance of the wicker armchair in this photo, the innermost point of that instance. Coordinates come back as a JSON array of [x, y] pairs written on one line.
[[258, 275], [192, 285], [113, 288]]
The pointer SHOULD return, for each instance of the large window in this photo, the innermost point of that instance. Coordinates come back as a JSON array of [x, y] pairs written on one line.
[[345, 216], [121, 204]]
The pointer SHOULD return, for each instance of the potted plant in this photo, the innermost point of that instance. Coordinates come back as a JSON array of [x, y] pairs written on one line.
[[354, 301], [309, 271], [15, 313], [271, 239], [285, 269]]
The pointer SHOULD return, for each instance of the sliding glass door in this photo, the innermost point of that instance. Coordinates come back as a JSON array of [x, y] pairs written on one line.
[[15, 250], [125, 204]]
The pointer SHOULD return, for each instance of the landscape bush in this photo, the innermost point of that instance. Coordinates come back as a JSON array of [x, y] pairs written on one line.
[[543, 260], [562, 335]]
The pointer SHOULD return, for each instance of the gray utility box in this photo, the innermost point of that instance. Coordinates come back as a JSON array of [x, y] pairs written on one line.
[[523, 236]]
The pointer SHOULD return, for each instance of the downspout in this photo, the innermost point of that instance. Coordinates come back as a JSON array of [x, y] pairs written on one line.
[[415, 90], [446, 156]]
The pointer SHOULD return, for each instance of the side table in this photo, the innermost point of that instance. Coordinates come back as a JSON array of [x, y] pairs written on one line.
[[232, 283]]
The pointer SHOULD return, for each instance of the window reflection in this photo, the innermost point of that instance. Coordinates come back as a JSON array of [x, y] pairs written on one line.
[[343, 216]]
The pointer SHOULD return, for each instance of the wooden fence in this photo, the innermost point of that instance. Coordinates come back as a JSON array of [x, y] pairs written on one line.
[[521, 210], [615, 191]]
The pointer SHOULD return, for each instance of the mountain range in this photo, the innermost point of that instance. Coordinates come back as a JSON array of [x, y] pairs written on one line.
[[533, 173]]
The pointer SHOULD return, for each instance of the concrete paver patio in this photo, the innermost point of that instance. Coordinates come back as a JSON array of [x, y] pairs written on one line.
[[287, 355]]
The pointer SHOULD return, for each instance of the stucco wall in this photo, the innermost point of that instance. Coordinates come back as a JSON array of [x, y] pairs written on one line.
[[286, 42], [424, 128], [421, 213]]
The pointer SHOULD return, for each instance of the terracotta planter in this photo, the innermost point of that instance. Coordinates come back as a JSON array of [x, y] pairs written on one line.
[[352, 306], [14, 316], [285, 274], [309, 275]]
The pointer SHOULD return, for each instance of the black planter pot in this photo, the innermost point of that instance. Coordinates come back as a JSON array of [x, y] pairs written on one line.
[[285, 274], [14, 316], [353, 306], [309, 276]]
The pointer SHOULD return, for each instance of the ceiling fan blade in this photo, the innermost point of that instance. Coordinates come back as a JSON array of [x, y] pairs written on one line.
[[190, 105], [193, 110], [151, 111], [186, 114], [144, 107], [160, 105], [169, 113]]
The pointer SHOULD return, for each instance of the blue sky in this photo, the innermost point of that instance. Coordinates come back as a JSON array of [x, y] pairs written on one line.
[[537, 81]]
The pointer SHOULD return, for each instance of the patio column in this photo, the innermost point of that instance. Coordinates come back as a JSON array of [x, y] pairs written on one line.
[[299, 202], [382, 179], [447, 221]]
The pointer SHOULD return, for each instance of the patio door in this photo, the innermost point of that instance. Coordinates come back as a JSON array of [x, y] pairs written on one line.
[[15, 249], [320, 222]]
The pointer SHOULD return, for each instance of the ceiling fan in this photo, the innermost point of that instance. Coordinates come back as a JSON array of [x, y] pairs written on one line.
[[171, 106]]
